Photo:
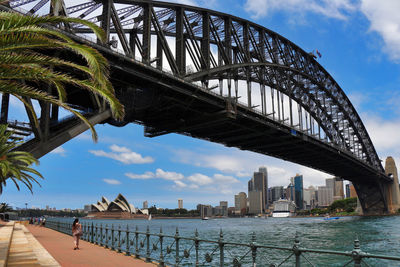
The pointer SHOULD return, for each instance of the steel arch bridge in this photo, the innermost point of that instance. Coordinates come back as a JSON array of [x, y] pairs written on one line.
[[210, 75]]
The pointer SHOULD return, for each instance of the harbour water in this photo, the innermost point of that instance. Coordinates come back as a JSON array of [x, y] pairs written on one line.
[[377, 235]]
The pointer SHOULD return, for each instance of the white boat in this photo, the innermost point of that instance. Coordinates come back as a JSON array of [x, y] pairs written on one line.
[[149, 218], [205, 218]]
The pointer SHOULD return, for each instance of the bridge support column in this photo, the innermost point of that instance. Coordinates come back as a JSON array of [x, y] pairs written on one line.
[[372, 197], [392, 190]]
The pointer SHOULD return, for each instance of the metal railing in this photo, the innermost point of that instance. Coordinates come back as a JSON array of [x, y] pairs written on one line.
[[177, 250]]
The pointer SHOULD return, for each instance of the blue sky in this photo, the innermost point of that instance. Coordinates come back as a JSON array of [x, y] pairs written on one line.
[[360, 46]]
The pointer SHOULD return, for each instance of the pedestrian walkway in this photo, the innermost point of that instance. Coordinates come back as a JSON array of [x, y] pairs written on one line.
[[60, 246]]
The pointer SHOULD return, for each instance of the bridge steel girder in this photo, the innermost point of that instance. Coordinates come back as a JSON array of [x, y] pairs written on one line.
[[246, 52]]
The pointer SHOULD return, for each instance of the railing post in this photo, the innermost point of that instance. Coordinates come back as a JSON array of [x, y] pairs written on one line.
[[356, 253], [161, 248], [91, 234], [107, 236], [196, 245], [128, 242], [96, 241], [221, 248], [296, 251], [177, 247], [58, 226], [119, 238], [253, 247], [101, 235], [137, 242], [112, 236], [148, 244]]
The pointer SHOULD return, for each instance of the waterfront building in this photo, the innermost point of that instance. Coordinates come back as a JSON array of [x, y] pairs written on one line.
[[336, 184], [290, 193], [120, 208], [255, 202], [338, 192], [277, 193], [241, 203], [145, 204], [309, 197], [283, 208], [205, 210], [224, 208], [298, 188], [259, 183], [180, 203], [87, 208], [325, 196], [347, 190]]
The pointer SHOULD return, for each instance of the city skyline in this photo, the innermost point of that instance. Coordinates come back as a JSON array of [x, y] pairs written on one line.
[[169, 167]]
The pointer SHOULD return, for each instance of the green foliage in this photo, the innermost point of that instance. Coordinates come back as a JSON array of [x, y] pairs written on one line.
[[347, 204], [173, 212], [14, 165], [31, 62], [4, 207], [39, 213]]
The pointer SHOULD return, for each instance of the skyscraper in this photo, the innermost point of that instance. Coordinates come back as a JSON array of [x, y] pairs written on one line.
[[145, 204], [180, 203], [298, 188], [224, 208], [241, 203], [325, 196], [336, 184], [276, 193], [347, 190], [255, 202]]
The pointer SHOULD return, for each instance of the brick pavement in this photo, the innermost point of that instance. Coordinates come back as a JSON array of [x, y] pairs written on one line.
[[60, 246]]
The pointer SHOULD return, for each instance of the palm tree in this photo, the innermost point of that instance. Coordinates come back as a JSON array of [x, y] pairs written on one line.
[[24, 68], [14, 165], [4, 207]]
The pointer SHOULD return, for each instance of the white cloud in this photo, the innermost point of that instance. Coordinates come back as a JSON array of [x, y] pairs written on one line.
[[200, 179], [161, 174], [172, 176], [385, 20], [112, 181], [146, 175], [180, 184], [123, 154], [59, 150], [337, 9], [384, 133]]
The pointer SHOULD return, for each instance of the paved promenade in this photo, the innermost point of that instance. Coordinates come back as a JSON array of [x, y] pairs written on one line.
[[60, 246]]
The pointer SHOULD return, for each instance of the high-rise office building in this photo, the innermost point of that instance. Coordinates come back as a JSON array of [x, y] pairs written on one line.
[[224, 208], [325, 196], [145, 204], [180, 203], [259, 183], [255, 202], [336, 184], [298, 188], [290, 194], [309, 197], [347, 190], [241, 203], [276, 193]]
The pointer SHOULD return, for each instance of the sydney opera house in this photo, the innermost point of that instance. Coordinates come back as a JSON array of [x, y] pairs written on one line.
[[120, 208]]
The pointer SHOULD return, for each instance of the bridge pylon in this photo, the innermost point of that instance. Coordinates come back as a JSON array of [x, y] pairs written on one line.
[[393, 191]]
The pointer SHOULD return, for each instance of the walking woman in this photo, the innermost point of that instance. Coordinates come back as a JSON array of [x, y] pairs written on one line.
[[76, 233]]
